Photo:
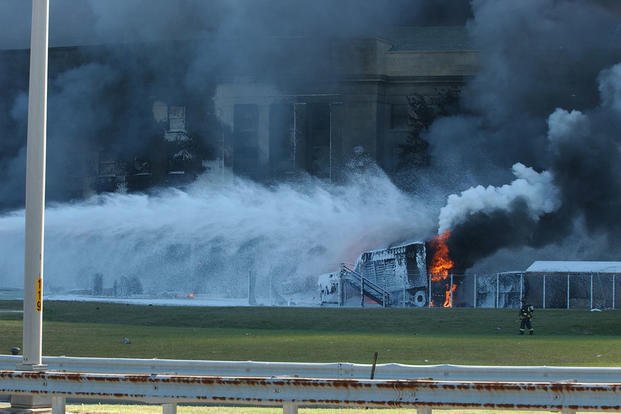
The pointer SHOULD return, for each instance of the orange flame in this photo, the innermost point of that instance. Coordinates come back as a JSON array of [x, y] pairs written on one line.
[[441, 262], [448, 302]]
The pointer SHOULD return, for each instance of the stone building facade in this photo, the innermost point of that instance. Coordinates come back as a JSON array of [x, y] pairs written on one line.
[[373, 108], [357, 99]]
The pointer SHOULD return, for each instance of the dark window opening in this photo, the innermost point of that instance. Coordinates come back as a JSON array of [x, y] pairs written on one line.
[[245, 140]]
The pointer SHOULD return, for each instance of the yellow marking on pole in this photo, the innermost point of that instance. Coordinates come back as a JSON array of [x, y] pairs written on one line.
[[39, 303]]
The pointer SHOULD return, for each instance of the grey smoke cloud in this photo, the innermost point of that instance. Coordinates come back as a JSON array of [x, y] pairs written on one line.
[[581, 186], [80, 22], [586, 163], [610, 88], [172, 50], [565, 125], [536, 57]]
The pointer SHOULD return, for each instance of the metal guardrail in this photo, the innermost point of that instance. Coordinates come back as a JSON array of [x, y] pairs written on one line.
[[294, 392], [340, 370], [292, 385]]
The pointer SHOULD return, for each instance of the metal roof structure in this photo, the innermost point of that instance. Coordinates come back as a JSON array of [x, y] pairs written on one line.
[[574, 267]]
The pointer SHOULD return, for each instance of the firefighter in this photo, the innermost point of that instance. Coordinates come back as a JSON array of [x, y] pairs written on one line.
[[526, 315]]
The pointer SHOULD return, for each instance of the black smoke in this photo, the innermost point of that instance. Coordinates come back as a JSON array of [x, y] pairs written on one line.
[[547, 96]]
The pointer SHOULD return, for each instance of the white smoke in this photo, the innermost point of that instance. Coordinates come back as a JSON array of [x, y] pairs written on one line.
[[537, 190], [566, 126], [208, 238], [610, 88]]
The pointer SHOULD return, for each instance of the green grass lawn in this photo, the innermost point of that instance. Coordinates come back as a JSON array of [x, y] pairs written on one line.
[[410, 336]]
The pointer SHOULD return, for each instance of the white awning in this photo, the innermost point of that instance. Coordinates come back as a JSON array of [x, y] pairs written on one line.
[[575, 267]]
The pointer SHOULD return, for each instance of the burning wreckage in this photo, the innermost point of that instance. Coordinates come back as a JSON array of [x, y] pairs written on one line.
[[422, 274], [400, 275]]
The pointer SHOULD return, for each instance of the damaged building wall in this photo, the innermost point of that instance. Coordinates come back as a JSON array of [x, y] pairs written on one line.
[[263, 122], [319, 128], [102, 125]]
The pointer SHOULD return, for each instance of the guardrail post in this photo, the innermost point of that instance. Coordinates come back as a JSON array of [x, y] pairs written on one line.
[[289, 408], [170, 408], [58, 405], [423, 410]]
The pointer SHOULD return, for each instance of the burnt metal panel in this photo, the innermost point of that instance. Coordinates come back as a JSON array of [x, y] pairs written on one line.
[[399, 269]]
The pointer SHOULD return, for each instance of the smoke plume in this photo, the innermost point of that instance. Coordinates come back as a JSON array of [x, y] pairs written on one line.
[[131, 53], [581, 185], [545, 101], [535, 190], [531, 160]]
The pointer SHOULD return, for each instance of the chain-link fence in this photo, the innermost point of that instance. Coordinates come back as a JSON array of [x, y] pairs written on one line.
[[542, 290]]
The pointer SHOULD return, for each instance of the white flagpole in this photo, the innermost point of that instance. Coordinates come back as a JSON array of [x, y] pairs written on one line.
[[35, 186]]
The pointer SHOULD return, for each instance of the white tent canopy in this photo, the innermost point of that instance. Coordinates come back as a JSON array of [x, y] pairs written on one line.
[[574, 267]]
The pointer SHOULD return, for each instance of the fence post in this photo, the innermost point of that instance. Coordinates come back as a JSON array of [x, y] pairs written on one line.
[[451, 292], [591, 291], [404, 289], [497, 288], [289, 408], [341, 291], [361, 291], [58, 405], [543, 299], [613, 290], [474, 294], [429, 296], [169, 408], [567, 290]]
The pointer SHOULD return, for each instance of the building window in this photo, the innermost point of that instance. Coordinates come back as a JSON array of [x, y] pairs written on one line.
[[245, 139], [399, 116]]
